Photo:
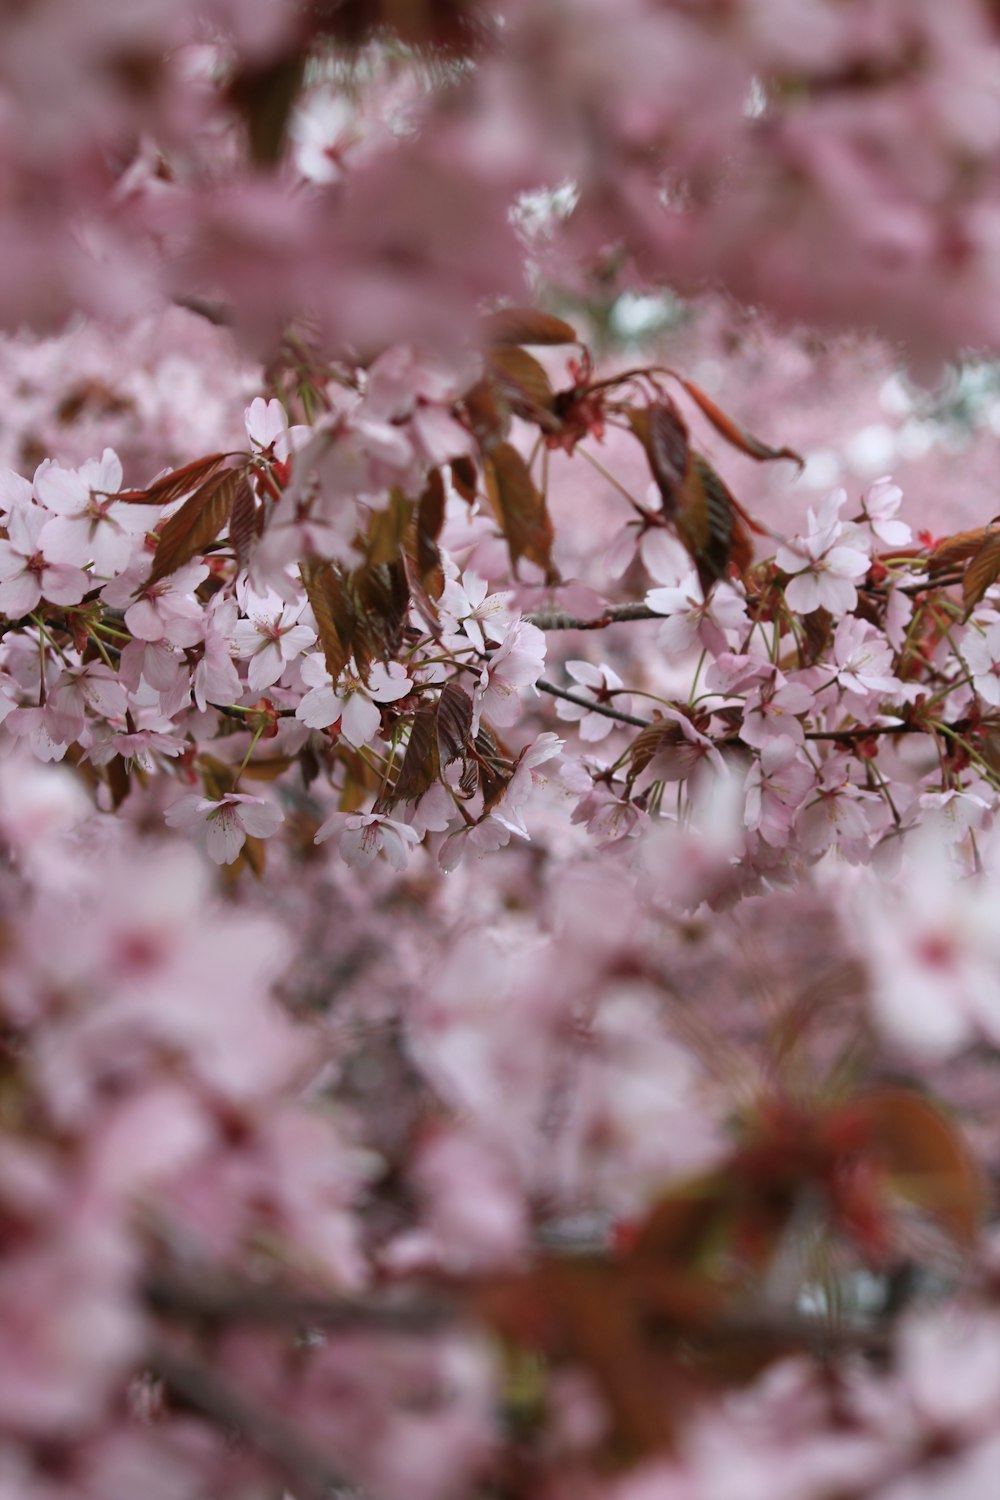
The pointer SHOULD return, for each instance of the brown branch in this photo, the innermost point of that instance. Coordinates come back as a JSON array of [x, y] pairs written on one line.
[[594, 708], [213, 312], [613, 615], [307, 1470], [211, 1299]]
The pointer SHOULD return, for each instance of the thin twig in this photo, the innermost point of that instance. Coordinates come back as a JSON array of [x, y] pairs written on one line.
[[213, 1300], [594, 708], [308, 1471], [613, 615]]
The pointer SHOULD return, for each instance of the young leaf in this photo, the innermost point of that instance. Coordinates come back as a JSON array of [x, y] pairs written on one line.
[[983, 570], [463, 477], [710, 525], [454, 723], [526, 325], [734, 433], [198, 522], [175, 484], [958, 548], [419, 769], [926, 1158], [324, 590], [522, 381], [244, 522], [520, 508]]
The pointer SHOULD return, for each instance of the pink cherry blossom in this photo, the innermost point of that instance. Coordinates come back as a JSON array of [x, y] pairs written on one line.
[[517, 663], [354, 702], [271, 637], [693, 621], [362, 836], [26, 574], [89, 525], [825, 562], [223, 823]]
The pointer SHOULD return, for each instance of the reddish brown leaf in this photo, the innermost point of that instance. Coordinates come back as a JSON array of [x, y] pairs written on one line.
[[463, 477], [198, 522], [522, 380], [520, 508], [324, 590], [526, 325], [710, 525], [926, 1158], [488, 415], [454, 723], [379, 598], [952, 550], [419, 769], [666, 441], [983, 570], [494, 767], [244, 522], [175, 484], [733, 432], [429, 521], [387, 529]]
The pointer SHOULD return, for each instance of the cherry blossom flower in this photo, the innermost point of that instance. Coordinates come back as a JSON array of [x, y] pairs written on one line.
[[89, 525], [354, 702], [26, 575], [981, 652], [825, 562], [694, 621], [268, 430], [777, 784], [601, 684], [879, 505], [224, 822], [272, 637], [161, 611], [482, 615], [362, 836], [771, 709], [516, 663]]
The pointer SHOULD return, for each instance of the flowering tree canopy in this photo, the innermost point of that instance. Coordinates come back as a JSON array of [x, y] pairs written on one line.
[[499, 750]]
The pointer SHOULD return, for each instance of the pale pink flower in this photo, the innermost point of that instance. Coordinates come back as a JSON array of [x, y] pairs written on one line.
[[354, 702], [600, 684], [268, 430], [272, 637], [224, 823], [932, 945], [771, 709], [163, 611], [517, 663], [824, 563], [89, 525], [216, 679], [26, 575], [879, 505], [982, 657], [862, 658], [776, 786], [483, 616], [138, 745], [509, 811], [362, 836], [693, 621], [91, 689]]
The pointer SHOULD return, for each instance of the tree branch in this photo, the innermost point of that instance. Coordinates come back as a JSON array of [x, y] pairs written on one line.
[[203, 1390], [212, 1299], [594, 708], [613, 615]]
